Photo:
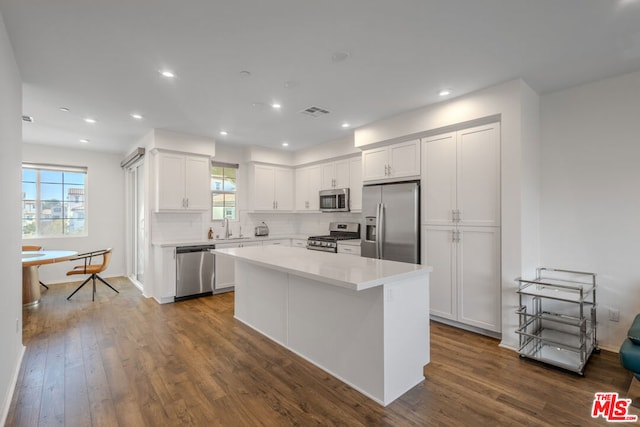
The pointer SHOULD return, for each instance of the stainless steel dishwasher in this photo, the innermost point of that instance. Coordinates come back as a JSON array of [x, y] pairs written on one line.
[[195, 271]]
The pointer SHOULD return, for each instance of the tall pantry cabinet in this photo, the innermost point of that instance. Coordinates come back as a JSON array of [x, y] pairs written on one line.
[[461, 225]]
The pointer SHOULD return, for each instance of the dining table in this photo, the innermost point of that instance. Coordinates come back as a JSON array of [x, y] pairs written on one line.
[[31, 261]]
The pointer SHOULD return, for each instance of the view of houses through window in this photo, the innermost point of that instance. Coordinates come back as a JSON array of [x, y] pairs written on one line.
[[53, 200], [223, 191]]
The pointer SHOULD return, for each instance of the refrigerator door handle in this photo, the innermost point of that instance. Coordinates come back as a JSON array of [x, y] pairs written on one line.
[[378, 231], [381, 231]]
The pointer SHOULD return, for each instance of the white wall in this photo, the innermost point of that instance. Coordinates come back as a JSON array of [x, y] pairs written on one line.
[[179, 141], [590, 217], [10, 163], [512, 103], [339, 148], [105, 208]]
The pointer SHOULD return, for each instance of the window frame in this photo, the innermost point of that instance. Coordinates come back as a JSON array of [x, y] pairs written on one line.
[[38, 168], [225, 192]]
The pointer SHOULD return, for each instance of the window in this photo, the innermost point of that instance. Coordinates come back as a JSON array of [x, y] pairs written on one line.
[[53, 200], [223, 191]]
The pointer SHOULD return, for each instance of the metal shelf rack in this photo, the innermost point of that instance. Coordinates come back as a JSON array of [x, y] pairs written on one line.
[[557, 318]]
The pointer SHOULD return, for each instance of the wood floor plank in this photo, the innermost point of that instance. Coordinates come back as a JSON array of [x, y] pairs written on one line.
[[125, 360]]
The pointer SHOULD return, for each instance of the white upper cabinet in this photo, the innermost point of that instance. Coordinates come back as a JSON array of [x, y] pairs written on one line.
[[375, 164], [355, 183], [309, 180], [271, 188], [335, 175], [392, 162], [308, 184], [183, 182], [439, 179], [461, 177], [198, 182], [479, 176], [283, 189]]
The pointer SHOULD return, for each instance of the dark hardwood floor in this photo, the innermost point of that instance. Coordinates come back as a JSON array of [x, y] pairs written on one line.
[[124, 360]]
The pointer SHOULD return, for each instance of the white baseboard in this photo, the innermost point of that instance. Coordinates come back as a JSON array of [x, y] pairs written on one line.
[[14, 382]]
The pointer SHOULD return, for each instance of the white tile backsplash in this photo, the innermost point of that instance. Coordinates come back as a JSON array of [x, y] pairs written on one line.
[[170, 227]]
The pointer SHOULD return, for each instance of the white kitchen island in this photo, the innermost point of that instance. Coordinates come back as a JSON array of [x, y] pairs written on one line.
[[362, 320]]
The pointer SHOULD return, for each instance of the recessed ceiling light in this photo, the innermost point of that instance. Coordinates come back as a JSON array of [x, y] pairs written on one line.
[[276, 105], [90, 120], [285, 144], [245, 74], [136, 116], [290, 84], [223, 133], [84, 141], [345, 125], [167, 73], [27, 119], [340, 56], [444, 92], [64, 109]]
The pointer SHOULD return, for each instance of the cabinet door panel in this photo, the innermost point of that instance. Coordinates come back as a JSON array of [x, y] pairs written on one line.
[[224, 273], [315, 182], [341, 177], [283, 189], [263, 193], [479, 176], [439, 179], [302, 189], [404, 159], [328, 176], [373, 164], [479, 277], [438, 251], [171, 181], [355, 183], [197, 187]]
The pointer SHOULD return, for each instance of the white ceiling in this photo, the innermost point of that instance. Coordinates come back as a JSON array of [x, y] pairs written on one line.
[[101, 58]]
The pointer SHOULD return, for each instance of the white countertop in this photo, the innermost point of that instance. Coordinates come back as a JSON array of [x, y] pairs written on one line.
[[347, 271], [180, 243]]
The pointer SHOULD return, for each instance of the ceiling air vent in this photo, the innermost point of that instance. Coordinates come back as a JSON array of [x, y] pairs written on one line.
[[315, 111]]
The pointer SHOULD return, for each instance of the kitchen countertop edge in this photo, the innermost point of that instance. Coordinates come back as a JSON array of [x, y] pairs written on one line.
[[175, 244], [370, 265]]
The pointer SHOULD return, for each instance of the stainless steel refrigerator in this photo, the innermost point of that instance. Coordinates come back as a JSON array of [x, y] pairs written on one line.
[[391, 221]]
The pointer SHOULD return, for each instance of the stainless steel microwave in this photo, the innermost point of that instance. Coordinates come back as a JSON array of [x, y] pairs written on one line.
[[336, 200]]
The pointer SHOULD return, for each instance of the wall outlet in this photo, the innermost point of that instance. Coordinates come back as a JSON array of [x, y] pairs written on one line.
[[614, 315]]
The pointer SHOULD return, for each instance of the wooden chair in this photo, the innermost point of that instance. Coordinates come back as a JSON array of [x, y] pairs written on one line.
[[92, 269], [27, 248]]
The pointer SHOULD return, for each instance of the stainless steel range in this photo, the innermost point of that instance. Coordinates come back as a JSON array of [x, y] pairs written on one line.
[[337, 231]]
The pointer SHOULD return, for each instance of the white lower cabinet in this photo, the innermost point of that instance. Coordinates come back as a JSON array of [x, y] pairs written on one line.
[[225, 266], [165, 259], [279, 242], [465, 282], [299, 243], [348, 249]]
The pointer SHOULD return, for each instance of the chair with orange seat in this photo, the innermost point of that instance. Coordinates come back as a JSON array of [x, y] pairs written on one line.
[[35, 248], [93, 269]]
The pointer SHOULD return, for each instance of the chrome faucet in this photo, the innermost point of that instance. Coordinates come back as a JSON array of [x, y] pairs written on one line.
[[227, 230]]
